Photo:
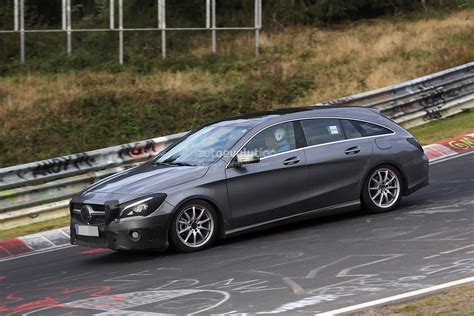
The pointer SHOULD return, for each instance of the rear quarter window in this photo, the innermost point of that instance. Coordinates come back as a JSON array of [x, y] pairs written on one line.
[[369, 129]]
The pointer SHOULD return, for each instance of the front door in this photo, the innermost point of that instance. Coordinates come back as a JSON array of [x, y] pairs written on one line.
[[273, 188]]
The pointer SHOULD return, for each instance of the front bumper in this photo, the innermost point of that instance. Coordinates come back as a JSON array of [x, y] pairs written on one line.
[[117, 235]]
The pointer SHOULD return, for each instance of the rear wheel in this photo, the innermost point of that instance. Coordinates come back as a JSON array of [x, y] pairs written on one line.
[[382, 190], [194, 227]]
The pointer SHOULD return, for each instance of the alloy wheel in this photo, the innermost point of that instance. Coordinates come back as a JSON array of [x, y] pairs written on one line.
[[384, 188], [194, 226]]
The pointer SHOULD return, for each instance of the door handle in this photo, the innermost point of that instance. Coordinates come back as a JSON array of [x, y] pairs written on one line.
[[292, 161], [353, 150]]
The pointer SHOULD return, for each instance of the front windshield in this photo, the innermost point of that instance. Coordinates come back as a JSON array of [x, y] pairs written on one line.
[[203, 147]]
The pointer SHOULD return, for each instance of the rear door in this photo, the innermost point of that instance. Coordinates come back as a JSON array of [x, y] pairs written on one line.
[[338, 156]]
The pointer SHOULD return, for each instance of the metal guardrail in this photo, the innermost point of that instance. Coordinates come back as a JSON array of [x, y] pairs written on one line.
[[39, 190], [423, 99]]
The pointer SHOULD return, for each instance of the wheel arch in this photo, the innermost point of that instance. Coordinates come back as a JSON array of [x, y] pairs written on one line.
[[385, 163], [214, 204]]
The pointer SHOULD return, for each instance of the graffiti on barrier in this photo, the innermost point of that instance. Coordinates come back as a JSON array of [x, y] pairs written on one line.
[[433, 103], [58, 165], [138, 150], [340, 101]]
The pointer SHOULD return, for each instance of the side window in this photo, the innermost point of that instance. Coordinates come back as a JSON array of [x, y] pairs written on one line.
[[350, 130], [320, 131], [369, 129], [273, 140]]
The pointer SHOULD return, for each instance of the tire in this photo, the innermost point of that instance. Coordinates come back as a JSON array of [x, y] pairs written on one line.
[[194, 226], [382, 189]]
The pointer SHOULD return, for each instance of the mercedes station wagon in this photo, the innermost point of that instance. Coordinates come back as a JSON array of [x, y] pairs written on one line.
[[249, 172]]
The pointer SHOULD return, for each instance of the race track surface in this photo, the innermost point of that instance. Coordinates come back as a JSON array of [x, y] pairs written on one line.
[[315, 266]]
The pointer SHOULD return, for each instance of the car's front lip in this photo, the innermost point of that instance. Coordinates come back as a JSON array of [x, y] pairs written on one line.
[[153, 230]]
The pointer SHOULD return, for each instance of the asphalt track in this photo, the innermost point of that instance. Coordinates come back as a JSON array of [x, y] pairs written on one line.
[[306, 268]]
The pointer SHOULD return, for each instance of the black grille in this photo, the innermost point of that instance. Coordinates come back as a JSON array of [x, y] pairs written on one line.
[[96, 219], [95, 207]]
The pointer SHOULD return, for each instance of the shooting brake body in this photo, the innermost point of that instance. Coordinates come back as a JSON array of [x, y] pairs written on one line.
[[250, 172]]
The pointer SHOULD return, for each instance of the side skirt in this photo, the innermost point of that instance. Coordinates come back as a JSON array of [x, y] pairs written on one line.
[[289, 219]]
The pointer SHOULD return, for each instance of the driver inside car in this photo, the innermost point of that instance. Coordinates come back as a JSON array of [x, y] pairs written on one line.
[[276, 142], [281, 138]]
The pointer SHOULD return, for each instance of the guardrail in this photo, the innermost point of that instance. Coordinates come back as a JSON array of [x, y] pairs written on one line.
[[40, 190]]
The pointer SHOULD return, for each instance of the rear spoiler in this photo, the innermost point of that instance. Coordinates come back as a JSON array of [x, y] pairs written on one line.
[[375, 110]]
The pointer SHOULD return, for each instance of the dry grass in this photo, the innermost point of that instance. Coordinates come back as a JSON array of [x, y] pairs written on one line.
[[22, 92], [371, 55], [349, 59], [353, 59]]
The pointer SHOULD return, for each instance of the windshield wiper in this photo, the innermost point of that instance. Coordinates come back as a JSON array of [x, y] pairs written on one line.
[[159, 163], [172, 164], [186, 164]]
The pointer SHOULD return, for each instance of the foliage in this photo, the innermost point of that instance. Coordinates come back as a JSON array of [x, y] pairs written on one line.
[[99, 49], [58, 104]]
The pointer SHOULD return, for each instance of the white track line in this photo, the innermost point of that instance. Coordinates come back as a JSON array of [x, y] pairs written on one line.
[[396, 297], [33, 253], [451, 157]]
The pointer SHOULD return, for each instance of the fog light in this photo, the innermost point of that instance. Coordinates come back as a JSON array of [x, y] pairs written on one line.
[[135, 236]]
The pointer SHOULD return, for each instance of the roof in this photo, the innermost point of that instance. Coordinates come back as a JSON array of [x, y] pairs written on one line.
[[254, 119]]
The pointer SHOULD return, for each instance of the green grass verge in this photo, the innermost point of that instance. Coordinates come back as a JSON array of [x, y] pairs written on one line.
[[34, 228], [458, 125]]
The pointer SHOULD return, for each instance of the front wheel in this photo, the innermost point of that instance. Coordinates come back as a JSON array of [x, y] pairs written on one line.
[[194, 227], [382, 190]]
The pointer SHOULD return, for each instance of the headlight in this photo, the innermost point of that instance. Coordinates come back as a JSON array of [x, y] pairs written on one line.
[[143, 206]]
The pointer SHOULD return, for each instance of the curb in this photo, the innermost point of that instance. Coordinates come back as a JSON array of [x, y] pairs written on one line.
[[40, 242], [449, 148], [59, 238]]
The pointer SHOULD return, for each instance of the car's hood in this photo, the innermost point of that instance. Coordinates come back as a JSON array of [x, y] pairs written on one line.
[[147, 178]]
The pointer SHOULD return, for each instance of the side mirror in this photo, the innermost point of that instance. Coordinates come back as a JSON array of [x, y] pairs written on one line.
[[245, 159]]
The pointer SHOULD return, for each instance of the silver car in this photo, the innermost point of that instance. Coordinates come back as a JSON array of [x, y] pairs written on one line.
[[250, 172]]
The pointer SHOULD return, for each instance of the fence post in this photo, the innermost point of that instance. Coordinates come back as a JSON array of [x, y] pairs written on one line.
[[15, 15], [214, 33], [22, 31], [257, 27], [208, 14], [63, 15], [19, 12], [68, 22], [112, 14], [162, 25], [121, 32]]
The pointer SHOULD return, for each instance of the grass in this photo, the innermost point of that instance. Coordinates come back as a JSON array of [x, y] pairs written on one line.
[[34, 228], [457, 301], [458, 125], [68, 106]]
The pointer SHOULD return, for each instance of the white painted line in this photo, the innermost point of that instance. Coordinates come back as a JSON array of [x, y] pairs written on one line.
[[36, 253], [457, 249], [396, 297], [449, 251], [451, 157]]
